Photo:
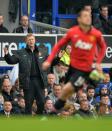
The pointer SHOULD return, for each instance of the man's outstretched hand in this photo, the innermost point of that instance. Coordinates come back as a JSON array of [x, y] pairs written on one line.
[[46, 65]]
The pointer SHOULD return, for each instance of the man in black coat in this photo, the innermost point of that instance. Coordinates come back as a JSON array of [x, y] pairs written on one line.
[[2, 28], [24, 27], [104, 21], [84, 110], [30, 73]]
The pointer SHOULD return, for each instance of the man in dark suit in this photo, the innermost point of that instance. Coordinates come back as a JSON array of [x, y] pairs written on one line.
[[7, 109], [30, 73], [24, 27]]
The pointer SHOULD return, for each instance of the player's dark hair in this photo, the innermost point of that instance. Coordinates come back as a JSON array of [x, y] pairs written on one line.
[[81, 11]]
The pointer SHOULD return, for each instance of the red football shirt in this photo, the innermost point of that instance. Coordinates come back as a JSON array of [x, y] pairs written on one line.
[[83, 47]]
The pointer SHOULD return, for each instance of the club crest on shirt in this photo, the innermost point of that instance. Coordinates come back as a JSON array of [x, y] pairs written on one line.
[[83, 45], [92, 38]]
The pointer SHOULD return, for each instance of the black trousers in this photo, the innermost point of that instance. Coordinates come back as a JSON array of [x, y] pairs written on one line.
[[34, 92]]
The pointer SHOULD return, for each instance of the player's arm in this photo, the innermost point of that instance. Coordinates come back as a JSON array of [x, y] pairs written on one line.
[[101, 50], [62, 42]]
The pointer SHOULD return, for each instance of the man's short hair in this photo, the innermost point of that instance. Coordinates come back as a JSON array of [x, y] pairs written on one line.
[[82, 101], [104, 95], [29, 35], [90, 87], [103, 6], [57, 85]]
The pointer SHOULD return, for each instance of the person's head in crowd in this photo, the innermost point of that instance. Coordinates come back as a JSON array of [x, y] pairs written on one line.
[[69, 109], [24, 21], [1, 19], [21, 102], [30, 40], [51, 79], [104, 90], [61, 67], [46, 92], [21, 93], [105, 99], [48, 105], [88, 7], [6, 87], [104, 11], [57, 89], [84, 105], [104, 110], [5, 78], [34, 108], [90, 91], [106, 78], [68, 49], [16, 85], [82, 96], [7, 106]]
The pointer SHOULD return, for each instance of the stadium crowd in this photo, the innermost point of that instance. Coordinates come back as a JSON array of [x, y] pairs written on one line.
[[87, 102]]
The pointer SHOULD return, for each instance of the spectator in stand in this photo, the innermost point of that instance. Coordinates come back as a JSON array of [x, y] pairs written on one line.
[[20, 107], [104, 109], [15, 88], [56, 93], [104, 90], [8, 111], [84, 111], [104, 20], [107, 81], [68, 110], [7, 90], [51, 81], [81, 96], [59, 70], [2, 28], [64, 55], [24, 27], [48, 106], [91, 95]]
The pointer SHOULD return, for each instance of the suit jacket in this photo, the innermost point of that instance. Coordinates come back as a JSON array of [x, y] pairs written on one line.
[[21, 30]]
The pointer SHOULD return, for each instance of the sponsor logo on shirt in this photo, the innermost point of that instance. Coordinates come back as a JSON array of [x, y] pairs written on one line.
[[83, 45]]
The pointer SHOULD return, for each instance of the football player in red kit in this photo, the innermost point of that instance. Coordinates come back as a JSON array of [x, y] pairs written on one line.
[[84, 40]]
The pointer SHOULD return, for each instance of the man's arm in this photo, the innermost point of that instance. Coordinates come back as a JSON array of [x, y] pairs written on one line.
[[10, 59]]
